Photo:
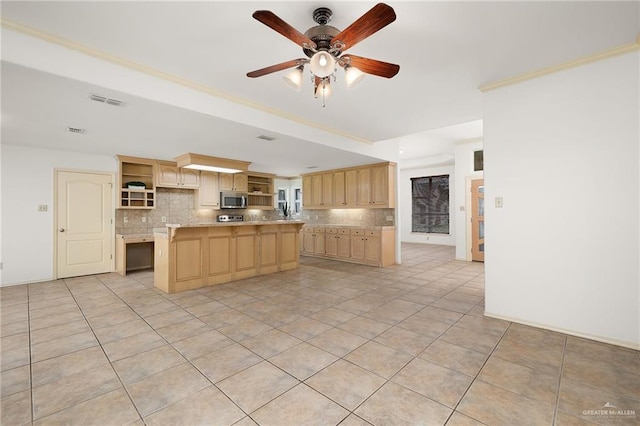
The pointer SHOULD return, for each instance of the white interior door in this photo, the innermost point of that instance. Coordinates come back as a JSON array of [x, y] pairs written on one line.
[[84, 216]]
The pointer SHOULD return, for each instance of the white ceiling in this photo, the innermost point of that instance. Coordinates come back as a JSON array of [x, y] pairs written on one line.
[[446, 50]]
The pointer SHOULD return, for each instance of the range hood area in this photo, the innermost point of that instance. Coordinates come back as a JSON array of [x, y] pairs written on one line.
[[211, 164]]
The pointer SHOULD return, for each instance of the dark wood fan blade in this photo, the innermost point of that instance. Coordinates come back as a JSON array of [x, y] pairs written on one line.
[[277, 67], [374, 20], [274, 22], [372, 66]]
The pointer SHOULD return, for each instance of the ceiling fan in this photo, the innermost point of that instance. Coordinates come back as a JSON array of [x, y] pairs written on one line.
[[324, 46]]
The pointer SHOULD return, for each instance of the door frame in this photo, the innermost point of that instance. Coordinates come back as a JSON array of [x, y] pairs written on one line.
[[112, 239], [467, 214]]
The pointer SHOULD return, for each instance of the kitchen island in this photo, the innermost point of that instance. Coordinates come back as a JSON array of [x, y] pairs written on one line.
[[191, 255]]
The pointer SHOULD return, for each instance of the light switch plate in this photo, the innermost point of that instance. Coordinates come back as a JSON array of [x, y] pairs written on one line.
[[164, 219], [498, 202]]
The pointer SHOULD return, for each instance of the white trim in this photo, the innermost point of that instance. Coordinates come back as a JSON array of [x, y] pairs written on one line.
[[609, 53], [602, 339], [209, 90]]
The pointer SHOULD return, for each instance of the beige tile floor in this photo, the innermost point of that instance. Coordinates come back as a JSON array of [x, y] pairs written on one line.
[[330, 343]]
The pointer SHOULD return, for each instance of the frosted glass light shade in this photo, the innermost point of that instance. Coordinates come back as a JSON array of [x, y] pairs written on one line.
[[353, 76], [324, 90], [294, 78], [322, 64]]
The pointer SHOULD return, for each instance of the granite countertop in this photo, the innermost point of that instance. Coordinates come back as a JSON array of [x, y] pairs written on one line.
[[134, 236], [156, 232], [246, 223], [330, 225]]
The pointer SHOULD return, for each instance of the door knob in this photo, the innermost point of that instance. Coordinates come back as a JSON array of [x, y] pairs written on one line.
[[61, 229]]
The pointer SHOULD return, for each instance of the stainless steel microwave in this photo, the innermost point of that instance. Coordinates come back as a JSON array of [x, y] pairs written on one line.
[[233, 200]]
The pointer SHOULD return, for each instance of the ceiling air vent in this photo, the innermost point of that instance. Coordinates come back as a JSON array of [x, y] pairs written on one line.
[[265, 137], [76, 130], [105, 100]]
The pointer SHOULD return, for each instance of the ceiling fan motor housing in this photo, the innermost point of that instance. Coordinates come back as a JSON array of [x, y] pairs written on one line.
[[321, 34]]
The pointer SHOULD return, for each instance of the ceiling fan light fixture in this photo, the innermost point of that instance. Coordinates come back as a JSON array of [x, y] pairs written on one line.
[[294, 78], [323, 90], [353, 76], [322, 64]]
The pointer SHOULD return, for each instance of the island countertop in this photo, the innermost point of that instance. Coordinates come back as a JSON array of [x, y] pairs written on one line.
[[194, 255]]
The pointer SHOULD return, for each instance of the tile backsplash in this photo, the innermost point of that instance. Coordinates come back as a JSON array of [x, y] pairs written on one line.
[[364, 217], [176, 205]]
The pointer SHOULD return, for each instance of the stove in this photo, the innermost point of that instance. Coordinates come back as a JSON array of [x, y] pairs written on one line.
[[230, 218]]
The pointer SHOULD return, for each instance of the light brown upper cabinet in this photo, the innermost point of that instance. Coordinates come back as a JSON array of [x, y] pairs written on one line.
[[208, 194], [339, 189], [234, 182], [379, 184], [351, 188], [316, 190], [261, 190], [307, 199], [136, 188], [327, 190], [370, 186], [364, 187], [169, 175]]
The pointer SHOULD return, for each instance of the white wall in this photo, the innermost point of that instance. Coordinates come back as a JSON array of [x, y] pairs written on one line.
[[27, 181], [404, 190], [563, 151], [464, 171]]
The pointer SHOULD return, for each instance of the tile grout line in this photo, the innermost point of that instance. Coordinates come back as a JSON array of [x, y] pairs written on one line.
[[30, 361], [556, 406], [390, 379], [162, 337], [102, 349], [174, 348], [478, 373]]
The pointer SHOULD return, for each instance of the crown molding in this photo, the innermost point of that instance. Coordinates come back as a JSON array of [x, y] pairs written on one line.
[[610, 53], [86, 50]]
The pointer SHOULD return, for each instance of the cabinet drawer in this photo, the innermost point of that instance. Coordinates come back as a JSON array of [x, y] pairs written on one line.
[[344, 231], [332, 231], [357, 232], [309, 230], [319, 230], [372, 233], [138, 240]]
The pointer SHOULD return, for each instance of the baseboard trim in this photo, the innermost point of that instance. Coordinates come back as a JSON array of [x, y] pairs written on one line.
[[44, 280], [602, 339]]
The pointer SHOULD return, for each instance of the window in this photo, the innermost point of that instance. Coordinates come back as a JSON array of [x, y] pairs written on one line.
[[282, 198], [478, 161], [430, 204], [297, 200]]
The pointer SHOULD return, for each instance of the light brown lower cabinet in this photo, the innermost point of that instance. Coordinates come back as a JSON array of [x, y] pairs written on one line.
[[344, 243], [331, 242], [194, 257], [358, 245], [314, 241]]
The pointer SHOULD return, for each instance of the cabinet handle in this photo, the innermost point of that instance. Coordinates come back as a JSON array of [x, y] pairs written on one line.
[[61, 229]]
